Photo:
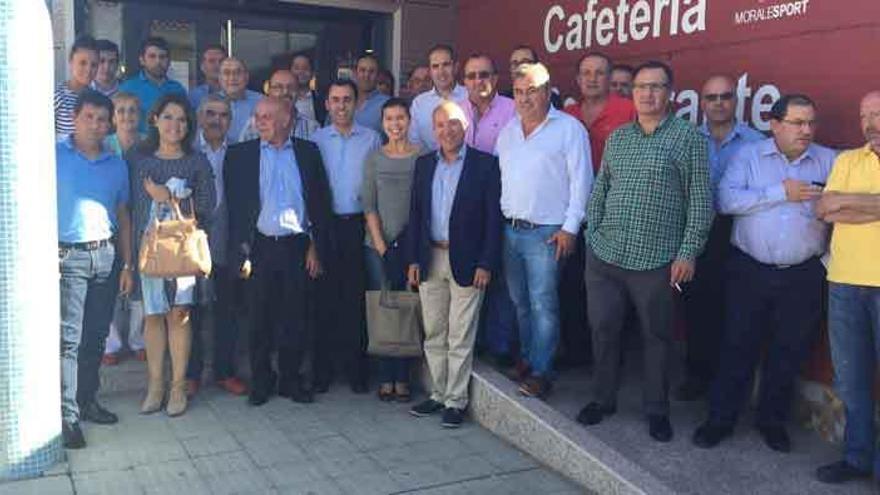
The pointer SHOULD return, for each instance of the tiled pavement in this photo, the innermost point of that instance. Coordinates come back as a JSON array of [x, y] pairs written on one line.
[[342, 444]]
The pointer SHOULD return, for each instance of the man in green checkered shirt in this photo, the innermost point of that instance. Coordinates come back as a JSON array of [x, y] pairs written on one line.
[[647, 222]]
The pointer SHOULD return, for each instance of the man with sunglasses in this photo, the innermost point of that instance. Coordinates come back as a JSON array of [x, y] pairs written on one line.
[[703, 297], [774, 278]]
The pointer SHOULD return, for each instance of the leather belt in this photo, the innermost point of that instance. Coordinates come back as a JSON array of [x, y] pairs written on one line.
[[440, 244], [518, 223], [278, 238], [85, 246], [350, 216]]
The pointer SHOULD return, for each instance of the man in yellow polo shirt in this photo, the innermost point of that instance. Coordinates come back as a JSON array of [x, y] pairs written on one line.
[[852, 203]]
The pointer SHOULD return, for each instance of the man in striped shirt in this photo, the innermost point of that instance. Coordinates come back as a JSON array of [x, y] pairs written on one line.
[[83, 65]]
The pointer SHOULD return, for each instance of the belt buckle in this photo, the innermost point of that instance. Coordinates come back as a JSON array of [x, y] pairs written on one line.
[[783, 267]]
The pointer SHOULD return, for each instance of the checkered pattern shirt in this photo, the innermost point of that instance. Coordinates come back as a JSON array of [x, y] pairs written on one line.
[[652, 200]]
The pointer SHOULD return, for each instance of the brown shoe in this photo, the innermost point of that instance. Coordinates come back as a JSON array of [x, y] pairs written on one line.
[[535, 386], [192, 388], [233, 385], [110, 359], [519, 371]]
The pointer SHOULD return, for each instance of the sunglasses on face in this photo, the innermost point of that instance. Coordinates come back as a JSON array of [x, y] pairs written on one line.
[[719, 96], [483, 74]]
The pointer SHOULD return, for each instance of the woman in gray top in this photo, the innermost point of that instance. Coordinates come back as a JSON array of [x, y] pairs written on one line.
[[385, 195], [165, 166]]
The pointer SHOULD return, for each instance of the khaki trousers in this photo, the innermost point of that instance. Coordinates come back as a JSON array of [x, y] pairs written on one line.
[[451, 314]]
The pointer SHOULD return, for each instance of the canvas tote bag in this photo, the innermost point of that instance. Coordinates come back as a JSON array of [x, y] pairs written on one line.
[[394, 323]]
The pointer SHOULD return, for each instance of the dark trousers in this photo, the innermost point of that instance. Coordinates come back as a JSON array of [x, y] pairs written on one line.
[[88, 287], [224, 318], [704, 304], [574, 348], [609, 288], [777, 307], [341, 333], [277, 307]]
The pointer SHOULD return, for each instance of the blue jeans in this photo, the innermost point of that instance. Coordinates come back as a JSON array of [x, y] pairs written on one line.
[[532, 278], [854, 330], [390, 369], [89, 284]]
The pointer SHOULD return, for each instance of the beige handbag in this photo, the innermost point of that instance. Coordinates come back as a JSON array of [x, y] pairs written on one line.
[[394, 323], [176, 247]]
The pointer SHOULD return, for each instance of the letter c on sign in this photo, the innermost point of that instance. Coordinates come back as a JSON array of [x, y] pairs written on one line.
[[554, 12]]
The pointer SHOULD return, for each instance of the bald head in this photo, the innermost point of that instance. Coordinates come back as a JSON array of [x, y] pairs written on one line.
[[869, 112], [273, 120], [450, 123]]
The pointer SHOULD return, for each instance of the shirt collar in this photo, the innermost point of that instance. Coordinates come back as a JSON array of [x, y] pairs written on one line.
[[452, 93], [459, 159], [668, 118], [143, 77], [288, 144], [356, 129], [105, 154], [768, 148], [205, 147], [736, 131]]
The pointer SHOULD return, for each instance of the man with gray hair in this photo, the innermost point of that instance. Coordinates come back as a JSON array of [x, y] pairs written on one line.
[[214, 116], [234, 77], [545, 182]]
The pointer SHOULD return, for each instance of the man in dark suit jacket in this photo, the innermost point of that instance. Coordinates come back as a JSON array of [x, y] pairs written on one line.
[[454, 240], [279, 205]]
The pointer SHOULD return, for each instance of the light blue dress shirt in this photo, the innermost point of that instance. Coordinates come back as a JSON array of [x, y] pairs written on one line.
[[88, 193], [443, 188], [282, 205], [344, 158], [218, 234], [148, 92], [198, 93], [242, 110], [370, 115], [421, 132], [766, 226], [721, 153]]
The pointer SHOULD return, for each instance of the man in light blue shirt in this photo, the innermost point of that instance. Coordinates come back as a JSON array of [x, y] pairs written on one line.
[[234, 79], [152, 81], [370, 100], [94, 254], [443, 67], [443, 189], [344, 147], [212, 56], [774, 277], [704, 296]]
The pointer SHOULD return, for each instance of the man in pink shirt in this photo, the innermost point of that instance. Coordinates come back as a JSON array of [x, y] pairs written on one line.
[[487, 111]]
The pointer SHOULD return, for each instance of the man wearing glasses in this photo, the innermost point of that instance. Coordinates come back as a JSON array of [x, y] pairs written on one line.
[[647, 222], [704, 297], [774, 276]]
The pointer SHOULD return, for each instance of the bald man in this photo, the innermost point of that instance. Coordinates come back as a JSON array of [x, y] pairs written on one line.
[[454, 239], [704, 297], [279, 209], [851, 202]]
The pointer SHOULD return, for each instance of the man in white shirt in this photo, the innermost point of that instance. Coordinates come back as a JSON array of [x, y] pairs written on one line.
[[545, 183], [443, 67]]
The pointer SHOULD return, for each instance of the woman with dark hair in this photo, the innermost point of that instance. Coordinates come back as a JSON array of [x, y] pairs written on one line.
[[165, 168], [385, 196]]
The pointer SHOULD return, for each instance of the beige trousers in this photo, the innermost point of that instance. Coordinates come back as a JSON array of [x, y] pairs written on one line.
[[451, 314]]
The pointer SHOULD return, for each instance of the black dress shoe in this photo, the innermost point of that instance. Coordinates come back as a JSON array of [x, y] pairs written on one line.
[[776, 438], [321, 387], [659, 427], [301, 395], [452, 417], [359, 387], [710, 434], [72, 436], [94, 413], [840, 472], [593, 413], [426, 408]]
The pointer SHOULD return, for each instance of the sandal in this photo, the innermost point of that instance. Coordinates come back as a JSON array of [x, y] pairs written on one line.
[[402, 392], [386, 392]]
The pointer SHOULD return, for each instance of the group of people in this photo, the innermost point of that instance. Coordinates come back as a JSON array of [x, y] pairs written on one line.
[[473, 199]]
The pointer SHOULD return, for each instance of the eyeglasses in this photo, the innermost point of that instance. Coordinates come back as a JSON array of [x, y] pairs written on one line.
[[810, 124], [719, 96], [516, 63], [651, 87], [482, 74]]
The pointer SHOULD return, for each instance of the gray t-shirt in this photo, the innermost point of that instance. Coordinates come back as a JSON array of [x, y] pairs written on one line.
[[386, 191]]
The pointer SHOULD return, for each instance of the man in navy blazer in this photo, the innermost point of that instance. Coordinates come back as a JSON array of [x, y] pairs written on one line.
[[454, 243]]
